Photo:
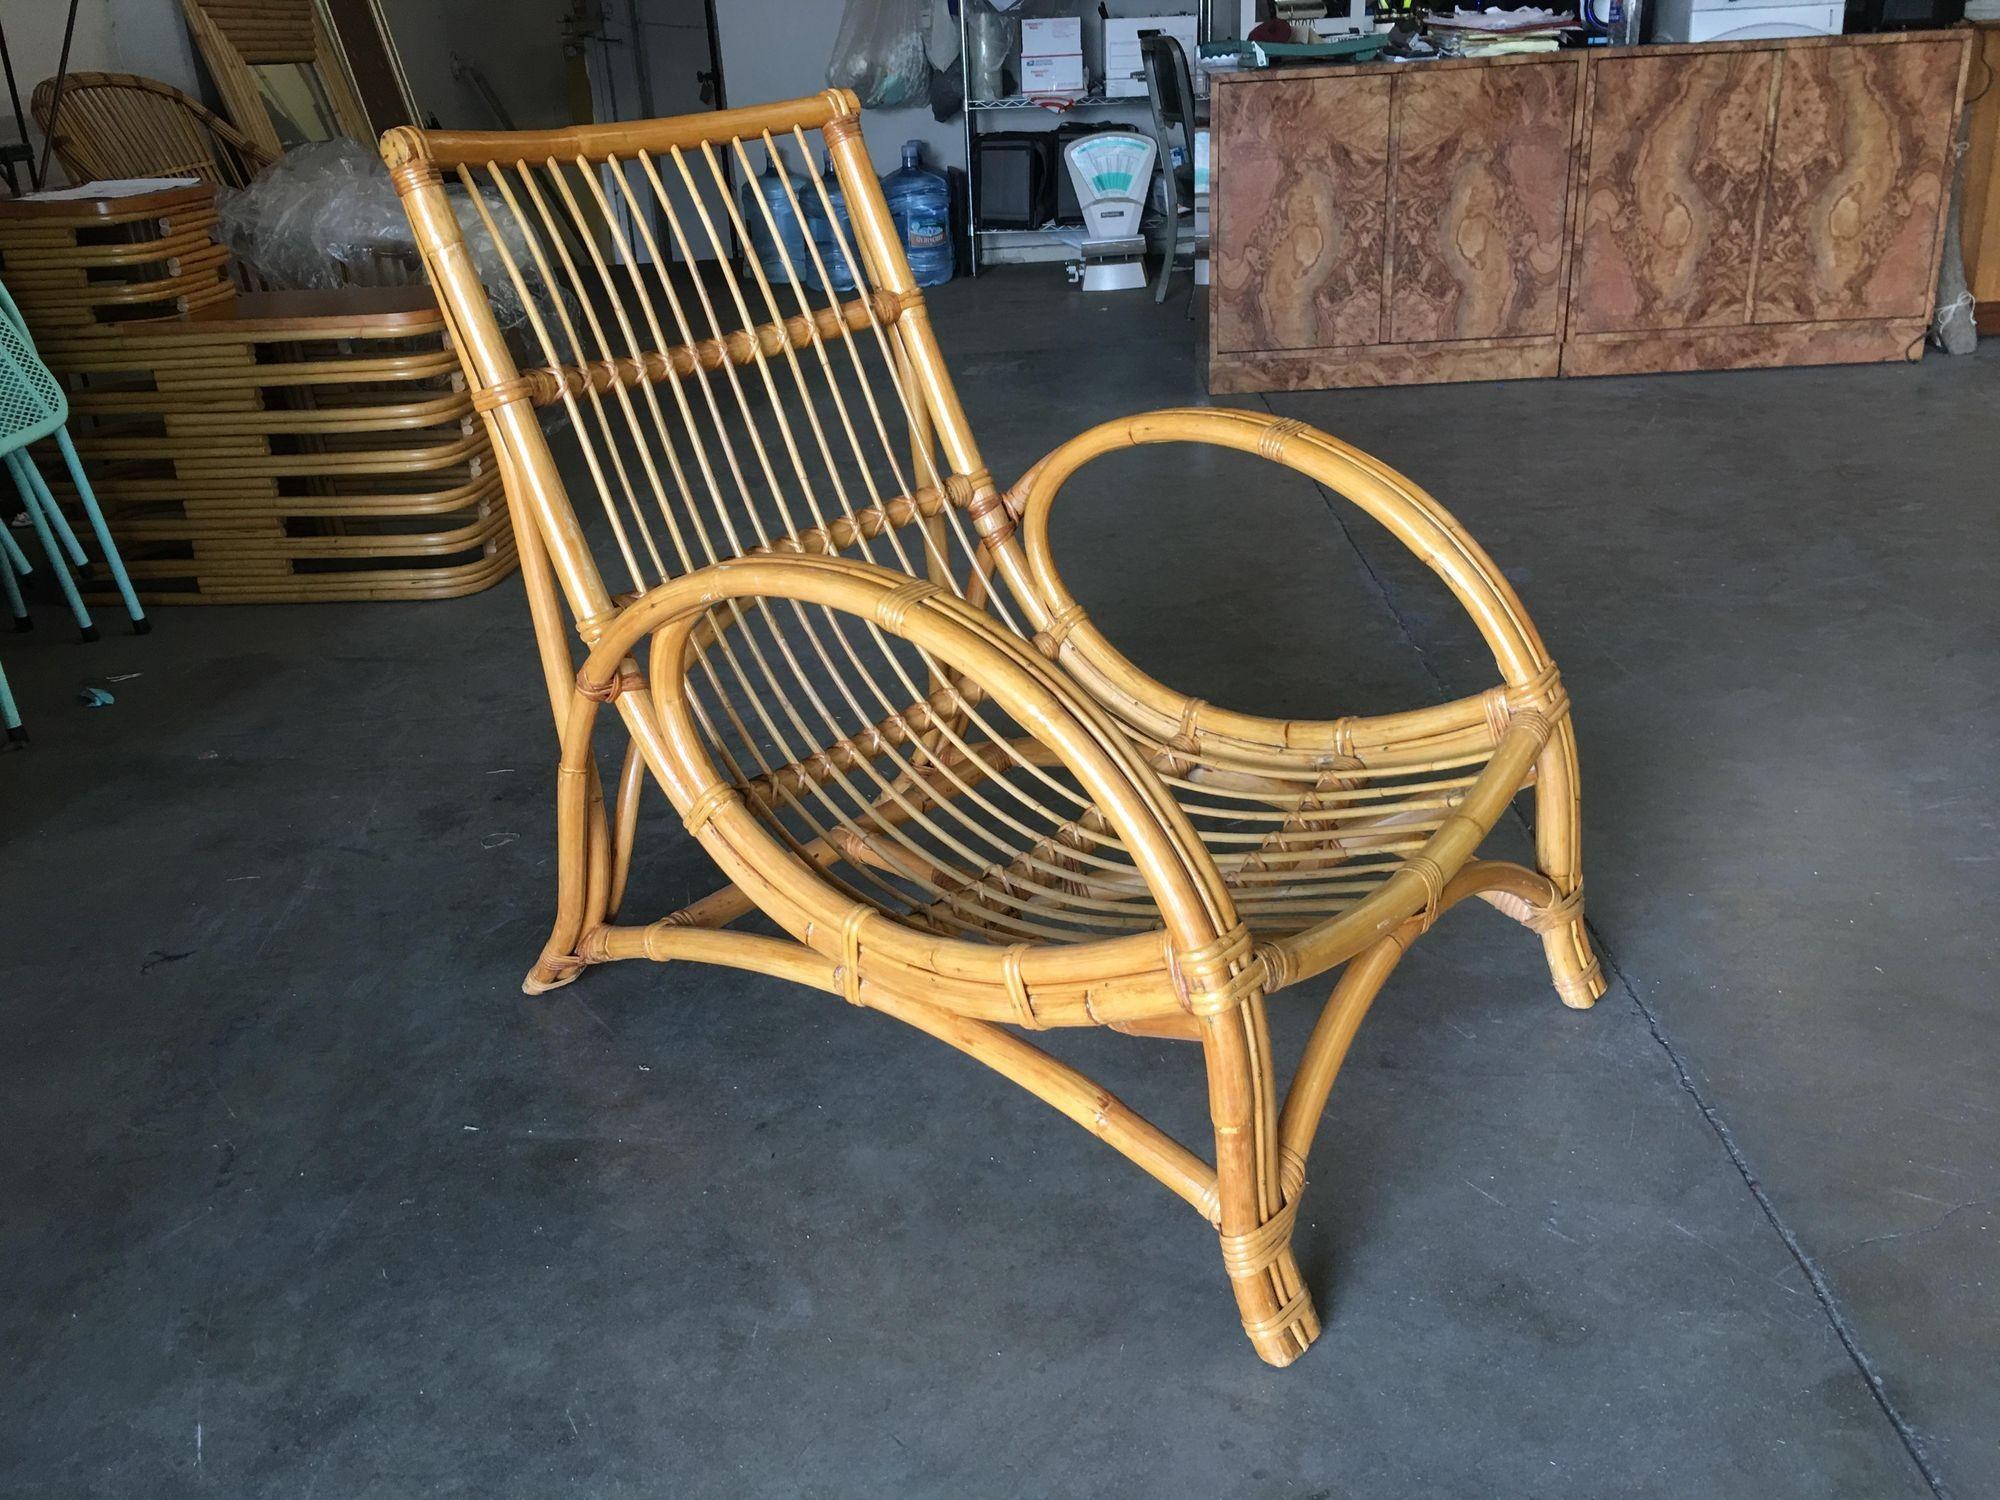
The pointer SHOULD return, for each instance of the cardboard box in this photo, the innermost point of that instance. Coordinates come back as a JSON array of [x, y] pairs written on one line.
[[1051, 36], [1052, 76], [1124, 72]]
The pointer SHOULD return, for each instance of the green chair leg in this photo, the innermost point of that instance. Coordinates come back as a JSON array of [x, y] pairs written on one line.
[[106, 547], [13, 565], [52, 512], [9, 714], [25, 480]]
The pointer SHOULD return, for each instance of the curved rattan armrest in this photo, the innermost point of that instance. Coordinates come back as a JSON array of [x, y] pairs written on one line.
[[1404, 509], [1210, 946]]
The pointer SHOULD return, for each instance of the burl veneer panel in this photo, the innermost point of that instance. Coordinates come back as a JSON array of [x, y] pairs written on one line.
[[1859, 163], [1479, 200], [1671, 190], [1748, 347], [1297, 262]]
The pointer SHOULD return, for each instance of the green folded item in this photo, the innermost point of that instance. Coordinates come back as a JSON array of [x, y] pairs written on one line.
[[1347, 49]]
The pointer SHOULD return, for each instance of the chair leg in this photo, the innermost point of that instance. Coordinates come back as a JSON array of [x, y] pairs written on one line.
[[1579, 979], [106, 547], [1173, 232], [13, 562], [22, 467], [1257, 1198], [58, 522], [583, 872], [10, 716]]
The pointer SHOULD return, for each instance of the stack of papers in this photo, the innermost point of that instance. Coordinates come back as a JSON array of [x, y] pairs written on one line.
[[1491, 33]]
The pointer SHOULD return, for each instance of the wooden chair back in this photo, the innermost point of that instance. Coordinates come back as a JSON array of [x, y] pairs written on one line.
[[113, 125], [279, 69], [712, 414], [715, 415]]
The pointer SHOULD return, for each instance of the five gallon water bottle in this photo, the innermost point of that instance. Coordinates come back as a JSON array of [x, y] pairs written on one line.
[[920, 205], [838, 270], [790, 243]]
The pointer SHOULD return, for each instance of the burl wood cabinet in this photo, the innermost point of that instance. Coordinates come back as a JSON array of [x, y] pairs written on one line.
[[1581, 213]]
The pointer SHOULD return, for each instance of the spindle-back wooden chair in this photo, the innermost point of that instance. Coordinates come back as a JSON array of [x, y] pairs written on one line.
[[958, 803], [115, 125]]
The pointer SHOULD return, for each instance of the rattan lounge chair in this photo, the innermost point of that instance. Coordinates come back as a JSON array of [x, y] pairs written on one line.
[[113, 125], [956, 800]]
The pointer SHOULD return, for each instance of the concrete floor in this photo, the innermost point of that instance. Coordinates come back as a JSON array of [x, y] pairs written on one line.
[[299, 1195]]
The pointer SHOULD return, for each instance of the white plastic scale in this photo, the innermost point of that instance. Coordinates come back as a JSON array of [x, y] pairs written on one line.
[[1113, 173]]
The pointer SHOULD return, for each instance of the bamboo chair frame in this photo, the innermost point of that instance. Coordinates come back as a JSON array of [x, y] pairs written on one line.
[[235, 37], [1162, 864], [119, 125]]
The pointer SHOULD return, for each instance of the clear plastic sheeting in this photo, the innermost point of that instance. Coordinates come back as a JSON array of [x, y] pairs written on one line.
[[325, 215], [322, 215], [881, 53]]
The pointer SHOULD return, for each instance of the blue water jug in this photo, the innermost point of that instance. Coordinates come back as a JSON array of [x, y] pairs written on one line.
[[920, 206], [838, 271], [790, 243]]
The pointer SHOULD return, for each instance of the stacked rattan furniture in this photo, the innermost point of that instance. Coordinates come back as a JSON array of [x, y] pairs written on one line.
[[958, 804], [255, 447]]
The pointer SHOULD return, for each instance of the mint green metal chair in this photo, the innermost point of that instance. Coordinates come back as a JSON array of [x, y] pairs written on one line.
[[32, 407]]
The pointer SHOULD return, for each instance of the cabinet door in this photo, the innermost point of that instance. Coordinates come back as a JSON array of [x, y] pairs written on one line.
[[1858, 169], [1298, 252], [1671, 190], [1479, 200]]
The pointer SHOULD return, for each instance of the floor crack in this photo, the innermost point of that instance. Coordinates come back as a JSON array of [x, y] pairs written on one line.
[[1822, 1291]]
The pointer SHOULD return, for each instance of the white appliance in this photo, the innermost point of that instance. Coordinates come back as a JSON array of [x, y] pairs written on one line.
[[1744, 20], [1113, 173]]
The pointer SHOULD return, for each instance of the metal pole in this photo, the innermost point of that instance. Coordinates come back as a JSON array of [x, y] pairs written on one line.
[[41, 174], [20, 119]]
